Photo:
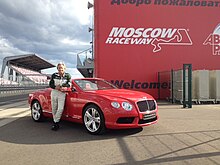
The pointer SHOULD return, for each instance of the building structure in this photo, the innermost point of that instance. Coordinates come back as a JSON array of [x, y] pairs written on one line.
[[137, 39]]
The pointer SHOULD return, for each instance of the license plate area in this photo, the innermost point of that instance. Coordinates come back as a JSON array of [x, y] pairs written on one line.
[[149, 116]]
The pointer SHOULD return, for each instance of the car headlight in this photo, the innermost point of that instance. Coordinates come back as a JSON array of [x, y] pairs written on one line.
[[115, 104], [127, 106]]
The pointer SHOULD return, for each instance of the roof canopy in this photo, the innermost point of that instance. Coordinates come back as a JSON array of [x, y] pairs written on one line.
[[29, 61]]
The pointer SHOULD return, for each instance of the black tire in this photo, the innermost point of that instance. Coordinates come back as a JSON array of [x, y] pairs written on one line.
[[94, 120], [36, 112]]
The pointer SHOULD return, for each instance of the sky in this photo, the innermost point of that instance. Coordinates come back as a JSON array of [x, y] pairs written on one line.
[[56, 30]]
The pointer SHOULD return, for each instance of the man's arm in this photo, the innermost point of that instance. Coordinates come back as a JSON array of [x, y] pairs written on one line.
[[52, 83], [68, 82]]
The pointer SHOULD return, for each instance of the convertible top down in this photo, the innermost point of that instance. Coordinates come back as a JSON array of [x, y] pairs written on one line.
[[98, 105]]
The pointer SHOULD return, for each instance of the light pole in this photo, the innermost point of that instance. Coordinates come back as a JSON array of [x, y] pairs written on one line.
[[91, 29]]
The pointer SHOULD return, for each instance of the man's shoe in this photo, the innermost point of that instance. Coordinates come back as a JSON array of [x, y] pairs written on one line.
[[55, 127]]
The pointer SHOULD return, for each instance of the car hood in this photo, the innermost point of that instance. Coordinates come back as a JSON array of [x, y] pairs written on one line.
[[123, 94]]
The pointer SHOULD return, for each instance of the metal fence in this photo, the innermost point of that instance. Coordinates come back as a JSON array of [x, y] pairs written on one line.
[[180, 85], [10, 90], [19, 81]]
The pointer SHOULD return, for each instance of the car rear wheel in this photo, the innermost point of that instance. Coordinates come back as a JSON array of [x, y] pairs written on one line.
[[93, 120], [36, 111]]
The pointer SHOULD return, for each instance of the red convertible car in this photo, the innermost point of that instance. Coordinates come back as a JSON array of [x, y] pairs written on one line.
[[99, 105]]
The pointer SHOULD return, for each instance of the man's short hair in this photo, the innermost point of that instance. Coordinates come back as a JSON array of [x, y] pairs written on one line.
[[61, 63]]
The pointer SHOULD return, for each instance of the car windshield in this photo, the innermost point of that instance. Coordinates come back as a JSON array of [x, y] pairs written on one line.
[[94, 84]]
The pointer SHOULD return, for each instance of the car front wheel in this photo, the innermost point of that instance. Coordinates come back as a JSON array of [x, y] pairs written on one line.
[[36, 111], [93, 120]]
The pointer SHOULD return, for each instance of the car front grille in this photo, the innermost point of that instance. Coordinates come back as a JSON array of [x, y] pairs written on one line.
[[146, 105]]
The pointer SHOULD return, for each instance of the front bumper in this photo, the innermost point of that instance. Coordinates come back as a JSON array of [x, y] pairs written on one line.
[[141, 120]]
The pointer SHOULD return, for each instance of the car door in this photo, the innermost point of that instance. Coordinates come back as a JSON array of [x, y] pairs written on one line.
[[71, 104], [46, 101]]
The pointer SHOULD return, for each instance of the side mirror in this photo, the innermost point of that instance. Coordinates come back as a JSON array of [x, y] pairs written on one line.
[[73, 89]]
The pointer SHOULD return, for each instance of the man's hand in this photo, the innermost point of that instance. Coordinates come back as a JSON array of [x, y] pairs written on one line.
[[63, 89]]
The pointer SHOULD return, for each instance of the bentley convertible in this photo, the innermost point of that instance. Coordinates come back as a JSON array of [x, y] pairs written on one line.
[[98, 105]]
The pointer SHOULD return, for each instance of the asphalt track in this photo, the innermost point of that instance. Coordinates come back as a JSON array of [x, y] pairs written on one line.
[[181, 137]]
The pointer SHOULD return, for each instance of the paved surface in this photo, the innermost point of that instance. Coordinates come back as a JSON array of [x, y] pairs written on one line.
[[182, 136]]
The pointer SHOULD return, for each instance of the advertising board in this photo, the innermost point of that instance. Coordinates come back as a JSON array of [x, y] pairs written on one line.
[[136, 39]]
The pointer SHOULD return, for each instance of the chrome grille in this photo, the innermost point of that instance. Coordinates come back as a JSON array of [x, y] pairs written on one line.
[[146, 105]]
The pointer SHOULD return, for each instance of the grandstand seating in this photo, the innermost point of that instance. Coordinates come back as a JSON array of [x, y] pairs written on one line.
[[7, 82], [34, 76]]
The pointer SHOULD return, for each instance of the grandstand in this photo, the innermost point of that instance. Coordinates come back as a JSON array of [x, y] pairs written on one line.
[[24, 69], [7, 82]]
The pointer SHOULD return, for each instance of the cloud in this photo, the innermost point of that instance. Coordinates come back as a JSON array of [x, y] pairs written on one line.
[[54, 29], [8, 49]]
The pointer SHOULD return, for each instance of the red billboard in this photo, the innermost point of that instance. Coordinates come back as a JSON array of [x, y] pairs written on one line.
[[136, 39]]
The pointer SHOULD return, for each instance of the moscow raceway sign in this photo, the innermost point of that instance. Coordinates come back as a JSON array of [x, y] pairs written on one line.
[[149, 36]]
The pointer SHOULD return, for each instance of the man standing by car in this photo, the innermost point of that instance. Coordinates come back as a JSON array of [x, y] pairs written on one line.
[[60, 82]]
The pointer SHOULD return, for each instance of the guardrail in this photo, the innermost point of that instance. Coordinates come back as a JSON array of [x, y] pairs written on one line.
[[6, 91]]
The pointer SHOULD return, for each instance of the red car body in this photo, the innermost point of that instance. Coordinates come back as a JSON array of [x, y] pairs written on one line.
[[143, 107]]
